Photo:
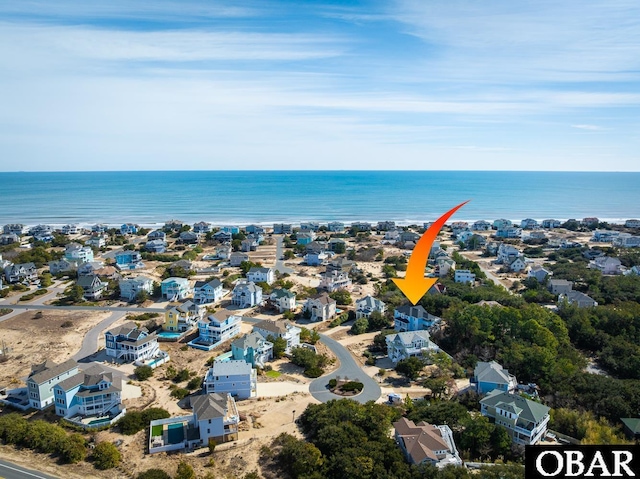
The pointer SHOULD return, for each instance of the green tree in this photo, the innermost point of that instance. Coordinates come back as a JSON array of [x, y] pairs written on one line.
[[185, 471], [342, 297], [106, 456], [378, 321], [360, 326], [76, 294], [279, 345], [143, 372], [410, 367], [141, 297], [73, 449]]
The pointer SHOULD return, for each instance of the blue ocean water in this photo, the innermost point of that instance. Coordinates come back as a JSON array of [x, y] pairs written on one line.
[[244, 197]]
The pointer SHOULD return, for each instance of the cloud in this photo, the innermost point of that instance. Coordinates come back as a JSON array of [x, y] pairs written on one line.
[[589, 127]]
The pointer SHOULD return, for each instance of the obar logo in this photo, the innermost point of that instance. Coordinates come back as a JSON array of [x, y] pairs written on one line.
[[561, 462]]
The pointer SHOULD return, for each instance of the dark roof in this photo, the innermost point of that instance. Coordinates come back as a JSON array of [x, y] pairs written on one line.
[[529, 410], [210, 406]]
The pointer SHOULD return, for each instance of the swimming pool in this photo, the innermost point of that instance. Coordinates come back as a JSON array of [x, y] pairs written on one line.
[[175, 433]]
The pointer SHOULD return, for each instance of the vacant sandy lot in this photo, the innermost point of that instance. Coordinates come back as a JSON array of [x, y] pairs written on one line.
[[33, 337]]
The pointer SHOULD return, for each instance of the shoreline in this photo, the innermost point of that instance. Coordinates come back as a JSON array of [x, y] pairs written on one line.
[[296, 223]]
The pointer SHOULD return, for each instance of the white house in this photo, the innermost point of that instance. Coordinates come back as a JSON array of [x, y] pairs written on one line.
[[526, 421], [464, 276], [235, 377], [131, 287], [626, 240], [409, 344], [632, 223], [261, 275], [367, 305], [130, 343], [607, 265], [578, 299], [335, 280], [283, 300], [205, 292], [279, 329], [507, 253], [246, 294], [518, 264], [79, 253], [321, 307]]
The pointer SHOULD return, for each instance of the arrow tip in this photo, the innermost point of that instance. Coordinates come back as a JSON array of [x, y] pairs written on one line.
[[414, 289]]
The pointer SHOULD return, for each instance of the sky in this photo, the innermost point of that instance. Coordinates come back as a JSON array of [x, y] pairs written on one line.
[[391, 84]]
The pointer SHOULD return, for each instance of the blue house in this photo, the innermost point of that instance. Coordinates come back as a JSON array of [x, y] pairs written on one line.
[[253, 349], [234, 230], [129, 260], [128, 229], [175, 289], [234, 377], [218, 327], [414, 318], [156, 246], [490, 376]]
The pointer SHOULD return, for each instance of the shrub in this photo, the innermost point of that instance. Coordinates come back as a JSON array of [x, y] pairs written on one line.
[[134, 421], [313, 372], [67, 324], [180, 393], [106, 456], [333, 383], [185, 471], [143, 372], [73, 449], [352, 386], [194, 383], [153, 474], [212, 445], [182, 375]]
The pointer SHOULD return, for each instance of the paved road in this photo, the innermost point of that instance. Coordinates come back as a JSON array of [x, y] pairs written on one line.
[[90, 341], [8, 470], [279, 252], [319, 388], [125, 309]]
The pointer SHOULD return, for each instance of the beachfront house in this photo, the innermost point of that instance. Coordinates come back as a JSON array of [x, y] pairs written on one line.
[[129, 260], [215, 418], [501, 223], [631, 223], [464, 276], [409, 344], [99, 228], [157, 235], [261, 275], [320, 307], [279, 329], [235, 377], [282, 300], [128, 229], [414, 318], [246, 294], [255, 229], [173, 225], [367, 305], [481, 225], [335, 226], [578, 299], [488, 376], [282, 228], [253, 349], [424, 443], [20, 273], [551, 223], [44, 377], [309, 226], [92, 286], [130, 343], [14, 229], [182, 317], [189, 237], [175, 289], [91, 398], [202, 227], [335, 280], [218, 327], [206, 292], [77, 252], [525, 421], [131, 288], [528, 224]]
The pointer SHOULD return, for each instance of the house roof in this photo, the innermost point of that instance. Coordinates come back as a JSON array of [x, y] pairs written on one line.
[[408, 337], [573, 296], [251, 340], [492, 372], [72, 382], [277, 327], [282, 293], [49, 370], [323, 298], [529, 410], [214, 283], [173, 279], [87, 280], [130, 330], [633, 423], [247, 286], [233, 367], [421, 440], [413, 311], [369, 302], [210, 406], [258, 269]]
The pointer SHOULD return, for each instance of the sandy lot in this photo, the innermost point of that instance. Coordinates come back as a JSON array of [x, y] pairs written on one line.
[[33, 337]]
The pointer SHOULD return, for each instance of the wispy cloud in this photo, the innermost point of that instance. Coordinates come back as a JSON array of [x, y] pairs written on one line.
[[589, 127]]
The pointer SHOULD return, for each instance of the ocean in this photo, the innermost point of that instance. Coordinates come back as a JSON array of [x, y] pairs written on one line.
[[265, 197]]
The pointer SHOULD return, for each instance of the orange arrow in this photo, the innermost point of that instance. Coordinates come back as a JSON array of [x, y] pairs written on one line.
[[414, 284]]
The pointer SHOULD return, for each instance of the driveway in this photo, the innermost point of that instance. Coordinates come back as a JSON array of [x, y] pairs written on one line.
[[90, 340], [349, 368], [279, 254]]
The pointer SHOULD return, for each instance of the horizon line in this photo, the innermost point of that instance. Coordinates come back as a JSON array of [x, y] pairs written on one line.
[[319, 170]]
